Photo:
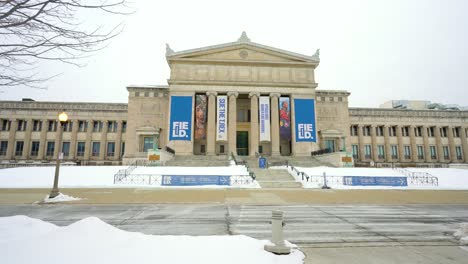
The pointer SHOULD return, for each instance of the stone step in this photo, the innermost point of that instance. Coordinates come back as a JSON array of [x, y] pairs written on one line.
[[279, 184]]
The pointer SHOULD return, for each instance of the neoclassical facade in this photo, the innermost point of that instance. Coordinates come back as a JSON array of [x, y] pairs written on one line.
[[240, 98]]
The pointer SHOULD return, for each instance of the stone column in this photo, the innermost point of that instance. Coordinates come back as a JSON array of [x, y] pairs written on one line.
[[427, 153], [464, 143], [451, 141], [27, 139], [275, 140], [401, 151], [89, 134], [362, 155], [440, 152], [388, 150], [254, 133], [73, 139], [211, 124], [103, 141], [414, 149], [11, 139], [118, 140], [42, 140], [232, 122], [375, 154]]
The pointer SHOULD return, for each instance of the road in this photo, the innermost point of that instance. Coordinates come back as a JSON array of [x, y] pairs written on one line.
[[306, 225]]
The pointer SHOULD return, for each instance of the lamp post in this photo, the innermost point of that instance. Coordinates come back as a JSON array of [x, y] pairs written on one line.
[[63, 118]]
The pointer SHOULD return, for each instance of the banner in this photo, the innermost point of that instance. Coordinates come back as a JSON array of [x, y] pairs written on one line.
[[192, 180], [264, 114], [285, 120], [221, 125], [200, 117], [374, 181], [304, 113], [180, 125]]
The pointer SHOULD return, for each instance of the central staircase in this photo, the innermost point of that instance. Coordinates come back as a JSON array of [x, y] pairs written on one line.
[[273, 178], [198, 161]]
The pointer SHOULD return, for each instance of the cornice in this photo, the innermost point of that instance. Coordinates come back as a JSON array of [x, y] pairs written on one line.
[[360, 112], [67, 106]]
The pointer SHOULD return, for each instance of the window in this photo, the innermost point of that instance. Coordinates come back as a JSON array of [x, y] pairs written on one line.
[[3, 147], [322, 98], [111, 126], [122, 149], [405, 131], [381, 151], [221, 149], [19, 148], [97, 126], [21, 125], [379, 131], [66, 149], [110, 149], [260, 149], [5, 125], [124, 126], [418, 131], [354, 130], [433, 151], [458, 152], [148, 143], [34, 148], [202, 149], [420, 152], [407, 150], [68, 126], [243, 115], [95, 149], [82, 126], [430, 131], [355, 149], [37, 125], [446, 151], [80, 149], [443, 131], [394, 149], [392, 131], [367, 151], [456, 132], [332, 99], [366, 130], [51, 125], [50, 148], [340, 99]]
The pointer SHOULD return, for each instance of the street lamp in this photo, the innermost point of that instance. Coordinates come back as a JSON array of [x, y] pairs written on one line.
[[63, 118]]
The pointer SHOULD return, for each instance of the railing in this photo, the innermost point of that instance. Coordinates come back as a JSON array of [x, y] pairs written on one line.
[[237, 161], [418, 178], [170, 150], [156, 179], [319, 180], [320, 152]]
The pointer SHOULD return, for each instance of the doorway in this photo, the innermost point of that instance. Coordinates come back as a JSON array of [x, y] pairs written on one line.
[[242, 144]]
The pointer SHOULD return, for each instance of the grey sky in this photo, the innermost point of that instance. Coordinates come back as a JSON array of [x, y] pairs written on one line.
[[377, 50]]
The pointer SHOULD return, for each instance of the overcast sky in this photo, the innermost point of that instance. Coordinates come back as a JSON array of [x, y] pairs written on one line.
[[377, 50]]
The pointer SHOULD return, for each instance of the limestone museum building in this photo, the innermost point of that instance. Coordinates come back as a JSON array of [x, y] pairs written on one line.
[[242, 98]]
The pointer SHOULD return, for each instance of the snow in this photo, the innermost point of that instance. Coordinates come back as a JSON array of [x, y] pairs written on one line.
[[60, 198], [462, 234], [103, 176], [28, 240], [448, 178]]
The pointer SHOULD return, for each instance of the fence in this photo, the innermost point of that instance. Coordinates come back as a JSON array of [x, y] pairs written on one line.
[[156, 179]]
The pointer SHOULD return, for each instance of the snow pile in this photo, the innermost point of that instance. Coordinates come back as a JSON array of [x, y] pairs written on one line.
[[462, 234], [28, 240], [60, 198]]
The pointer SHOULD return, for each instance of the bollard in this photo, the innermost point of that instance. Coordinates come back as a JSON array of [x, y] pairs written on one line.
[[278, 246], [325, 186]]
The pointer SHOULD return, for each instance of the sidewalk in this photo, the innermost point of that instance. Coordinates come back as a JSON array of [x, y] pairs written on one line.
[[240, 196]]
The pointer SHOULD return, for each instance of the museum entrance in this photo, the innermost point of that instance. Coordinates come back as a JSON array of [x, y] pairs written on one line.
[[242, 144]]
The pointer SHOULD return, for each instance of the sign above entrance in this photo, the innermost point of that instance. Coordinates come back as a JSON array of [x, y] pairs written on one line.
[[181, 118], [304, 113], [264, 117], [221, 125]]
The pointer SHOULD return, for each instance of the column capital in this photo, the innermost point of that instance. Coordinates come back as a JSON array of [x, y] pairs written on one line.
[[235, 94], [272, 95], [252, 94], [213, 93]]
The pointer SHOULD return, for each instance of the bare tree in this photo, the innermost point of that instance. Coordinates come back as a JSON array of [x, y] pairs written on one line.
[[39, 30]]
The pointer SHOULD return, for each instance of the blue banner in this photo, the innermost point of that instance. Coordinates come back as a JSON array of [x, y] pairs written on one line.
[[193, 180], [181, 118], [374, 181], [304, 113]]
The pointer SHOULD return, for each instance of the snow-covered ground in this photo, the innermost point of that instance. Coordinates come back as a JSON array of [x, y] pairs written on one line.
[[29, 240], [60, 198], [448, 179], [103, 176]]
